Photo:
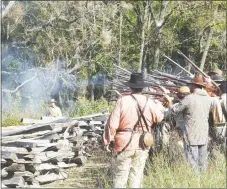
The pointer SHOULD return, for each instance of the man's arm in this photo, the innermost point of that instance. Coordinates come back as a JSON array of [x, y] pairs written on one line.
[[181, 106], [112, 124]]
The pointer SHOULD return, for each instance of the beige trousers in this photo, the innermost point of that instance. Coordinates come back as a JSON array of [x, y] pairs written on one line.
[[129, 166]]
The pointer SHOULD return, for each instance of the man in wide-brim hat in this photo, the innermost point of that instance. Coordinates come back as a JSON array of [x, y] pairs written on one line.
[[195, 108], [53, 110], [215, 71], [131, 157]]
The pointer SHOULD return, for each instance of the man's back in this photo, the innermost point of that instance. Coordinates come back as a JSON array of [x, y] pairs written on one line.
[[124, 116], [196, 108]]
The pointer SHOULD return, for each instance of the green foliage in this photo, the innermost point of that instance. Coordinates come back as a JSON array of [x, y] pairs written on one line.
[[85, 107], [13, 110], [71, 30], [10, 120]]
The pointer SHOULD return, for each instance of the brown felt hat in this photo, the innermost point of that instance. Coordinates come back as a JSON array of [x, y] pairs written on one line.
[[198, 80]]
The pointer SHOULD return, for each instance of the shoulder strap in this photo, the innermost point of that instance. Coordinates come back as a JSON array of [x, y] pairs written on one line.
[[141, 111], [139, 118]]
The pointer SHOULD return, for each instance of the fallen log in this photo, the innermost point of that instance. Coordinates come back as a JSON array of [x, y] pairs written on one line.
[[51, 137], [28, 176], [14, 182], [26, 143], [80, 160], [15, 167], [89, 117], [51, 156], [4, 173], [47, 147], [43, 179], [32, 121], [44, 119], [9, 155], [46, 167], [24, 136], [29, 129], [14, 149], [66, 166]]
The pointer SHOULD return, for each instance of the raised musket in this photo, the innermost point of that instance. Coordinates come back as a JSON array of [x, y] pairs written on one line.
[[190, 74], [169, 76], [197, 68]]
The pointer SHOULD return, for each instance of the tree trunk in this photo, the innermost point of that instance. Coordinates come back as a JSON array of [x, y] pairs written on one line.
[[202, 62], [8, 7], [90, 84], [145, 20], [119, 54], [159, 22], [157, 50]]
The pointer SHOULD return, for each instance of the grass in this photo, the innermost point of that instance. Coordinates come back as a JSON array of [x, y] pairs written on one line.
[[161, 173], [167, 170], [15, 112]]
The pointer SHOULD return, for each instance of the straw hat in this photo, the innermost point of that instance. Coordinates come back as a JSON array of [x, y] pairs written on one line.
[[52, 101], [184, 89]]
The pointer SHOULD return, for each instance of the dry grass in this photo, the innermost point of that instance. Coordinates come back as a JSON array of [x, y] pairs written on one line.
[[164, 172]]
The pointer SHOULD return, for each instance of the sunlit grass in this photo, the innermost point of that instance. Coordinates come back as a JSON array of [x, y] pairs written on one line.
[[161, 173]]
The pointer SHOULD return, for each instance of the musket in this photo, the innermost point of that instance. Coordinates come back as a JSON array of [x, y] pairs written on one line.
[[178, 65], [197, 68], [169, 76]]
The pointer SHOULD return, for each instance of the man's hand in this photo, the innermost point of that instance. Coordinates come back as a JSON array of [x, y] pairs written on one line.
[[166, 91], [207, 79], [107, 148], [167, 101]]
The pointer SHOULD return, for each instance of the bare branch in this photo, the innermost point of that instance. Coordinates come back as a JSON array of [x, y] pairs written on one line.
[[8, 7], [15, 90]]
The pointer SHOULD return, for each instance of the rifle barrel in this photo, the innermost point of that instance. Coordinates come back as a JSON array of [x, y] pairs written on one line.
[[177, 65], [196, 67]]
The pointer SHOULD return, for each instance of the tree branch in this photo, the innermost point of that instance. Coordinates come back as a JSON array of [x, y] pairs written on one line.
[[8, 7], [15, 90]]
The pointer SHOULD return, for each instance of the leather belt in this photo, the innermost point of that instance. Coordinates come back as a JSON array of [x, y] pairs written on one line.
[[129, 130]]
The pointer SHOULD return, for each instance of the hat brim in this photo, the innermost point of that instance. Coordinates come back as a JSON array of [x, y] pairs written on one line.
[[212, 72], [52, 101], [136, 85], [219, 81], [200, 84]]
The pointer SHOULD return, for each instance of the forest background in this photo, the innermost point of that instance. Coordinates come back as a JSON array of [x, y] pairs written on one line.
[[66, 49]]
